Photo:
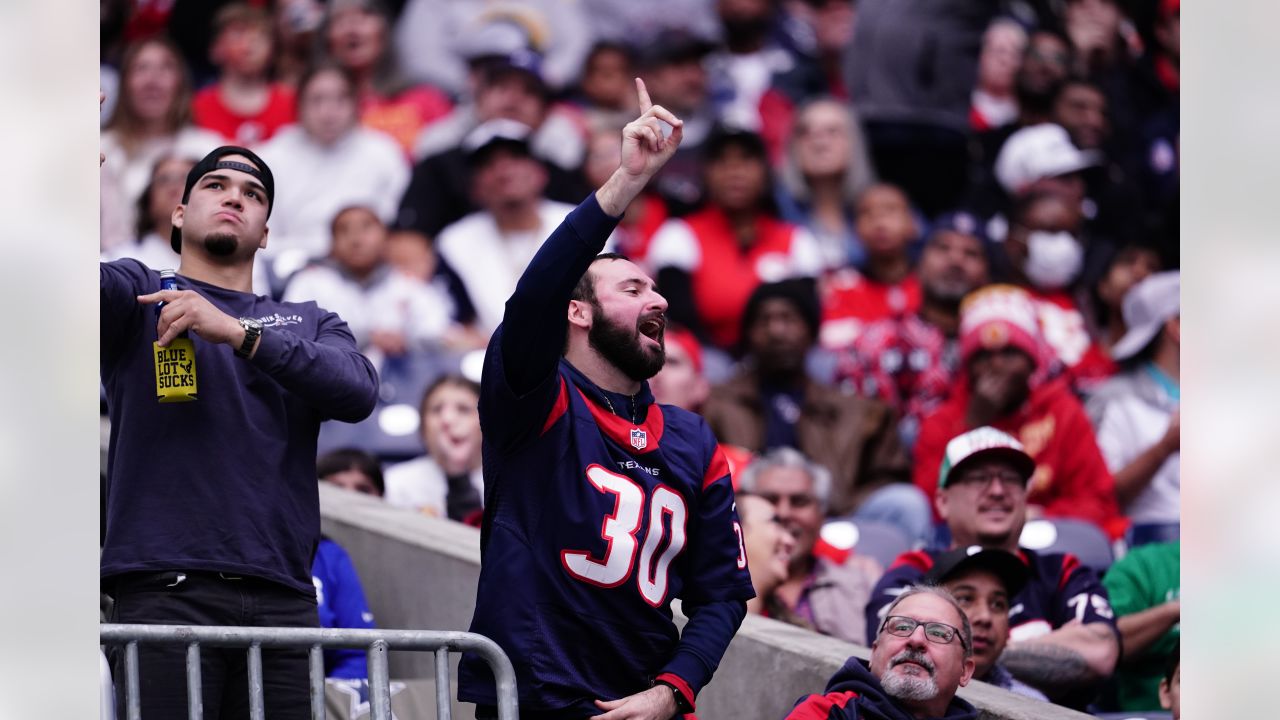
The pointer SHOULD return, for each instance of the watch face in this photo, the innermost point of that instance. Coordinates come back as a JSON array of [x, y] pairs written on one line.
[[250, 324]]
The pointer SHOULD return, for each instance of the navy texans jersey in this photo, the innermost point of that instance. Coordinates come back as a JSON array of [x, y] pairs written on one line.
[[592, 525], [1059, 590]]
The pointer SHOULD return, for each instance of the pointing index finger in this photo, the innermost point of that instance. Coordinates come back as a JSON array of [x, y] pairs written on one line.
[[158, 296], [645, 102]]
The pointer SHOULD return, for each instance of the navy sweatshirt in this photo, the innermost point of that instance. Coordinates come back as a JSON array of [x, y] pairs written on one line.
[[226, 483]]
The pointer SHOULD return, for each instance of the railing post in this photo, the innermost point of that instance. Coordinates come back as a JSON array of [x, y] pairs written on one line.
[[256, 705], [132, 700], [444, 707], [195, 693], [379, 681], [316, 677]]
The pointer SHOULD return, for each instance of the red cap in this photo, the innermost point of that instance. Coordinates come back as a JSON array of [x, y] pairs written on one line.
[[686, 340]]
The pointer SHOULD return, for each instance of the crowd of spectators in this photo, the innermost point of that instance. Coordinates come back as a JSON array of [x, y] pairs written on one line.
[[890, 223]]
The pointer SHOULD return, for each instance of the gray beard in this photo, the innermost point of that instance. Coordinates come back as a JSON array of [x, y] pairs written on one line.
[[917, 689], [220, 244]]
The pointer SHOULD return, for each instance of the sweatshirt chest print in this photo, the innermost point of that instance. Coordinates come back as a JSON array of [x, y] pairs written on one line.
[[277, 320]]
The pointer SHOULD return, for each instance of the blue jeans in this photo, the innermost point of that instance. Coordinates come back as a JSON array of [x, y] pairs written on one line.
[[193, 597], [1153, 533]]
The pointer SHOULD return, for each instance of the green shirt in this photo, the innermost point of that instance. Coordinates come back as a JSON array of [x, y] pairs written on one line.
[[1148, 576]]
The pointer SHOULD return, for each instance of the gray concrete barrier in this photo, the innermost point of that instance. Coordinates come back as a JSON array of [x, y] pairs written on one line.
[[420, 573]]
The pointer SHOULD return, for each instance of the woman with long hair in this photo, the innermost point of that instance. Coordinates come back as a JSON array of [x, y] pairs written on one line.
[[152, 118], [825, 168]]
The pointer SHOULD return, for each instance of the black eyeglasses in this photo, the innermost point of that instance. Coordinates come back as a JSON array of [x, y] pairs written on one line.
[[1010, 479], [795, 500], [935, 632]]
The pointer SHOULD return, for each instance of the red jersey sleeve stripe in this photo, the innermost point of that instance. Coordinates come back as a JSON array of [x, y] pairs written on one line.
[[558, 409], [1069, 565], [718, 468], [819, 707]]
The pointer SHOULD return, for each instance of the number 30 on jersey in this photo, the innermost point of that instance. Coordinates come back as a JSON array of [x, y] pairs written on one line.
[[619, 531]]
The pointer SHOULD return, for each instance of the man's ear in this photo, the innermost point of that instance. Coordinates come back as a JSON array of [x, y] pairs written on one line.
[[940, 503], [176, 217], [580, 314], [967, 673], [262, 244]]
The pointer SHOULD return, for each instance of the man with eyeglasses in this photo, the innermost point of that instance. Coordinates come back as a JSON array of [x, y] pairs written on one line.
[[922, 652], [823, 591], [1062, 639]]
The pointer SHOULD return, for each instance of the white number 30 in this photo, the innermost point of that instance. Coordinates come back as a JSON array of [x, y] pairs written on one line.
[[619, 531]]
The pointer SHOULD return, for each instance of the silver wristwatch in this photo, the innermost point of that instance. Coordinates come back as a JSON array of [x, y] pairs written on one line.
[[252, 331]]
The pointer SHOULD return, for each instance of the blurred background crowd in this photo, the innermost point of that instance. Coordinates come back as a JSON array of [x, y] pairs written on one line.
[[889, 222]]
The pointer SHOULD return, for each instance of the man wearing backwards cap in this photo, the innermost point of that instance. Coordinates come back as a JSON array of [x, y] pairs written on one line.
[[1063, 639], [983, 582], [212, 504], [1005, 362]]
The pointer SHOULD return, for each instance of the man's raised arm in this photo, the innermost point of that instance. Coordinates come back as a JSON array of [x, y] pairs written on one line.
[[535, 321]]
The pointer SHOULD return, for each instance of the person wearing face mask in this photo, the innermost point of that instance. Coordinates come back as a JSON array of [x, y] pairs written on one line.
[[1005, 382], [446, 482], [1043, 252]]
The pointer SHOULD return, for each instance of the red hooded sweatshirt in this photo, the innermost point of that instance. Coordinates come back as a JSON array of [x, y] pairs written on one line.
[[1071, 478]]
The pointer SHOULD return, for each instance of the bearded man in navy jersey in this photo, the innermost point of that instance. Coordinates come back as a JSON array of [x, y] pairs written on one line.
[[601, 506]]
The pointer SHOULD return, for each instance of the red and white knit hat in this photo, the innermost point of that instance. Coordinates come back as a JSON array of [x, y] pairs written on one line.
[[998, 316]]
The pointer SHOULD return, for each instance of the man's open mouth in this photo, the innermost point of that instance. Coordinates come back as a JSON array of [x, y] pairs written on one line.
[[653, 328]]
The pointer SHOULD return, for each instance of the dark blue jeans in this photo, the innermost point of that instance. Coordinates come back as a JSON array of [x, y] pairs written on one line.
[[201, 598]]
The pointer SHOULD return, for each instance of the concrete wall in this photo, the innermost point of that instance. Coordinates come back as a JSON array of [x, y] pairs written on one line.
[[421, 572]]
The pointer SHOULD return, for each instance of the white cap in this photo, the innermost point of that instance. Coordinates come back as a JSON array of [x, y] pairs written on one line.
[[496, 130], [1037, 152], [1146, 307]]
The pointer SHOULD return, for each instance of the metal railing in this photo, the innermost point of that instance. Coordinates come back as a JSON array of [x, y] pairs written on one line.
[[376, 642]]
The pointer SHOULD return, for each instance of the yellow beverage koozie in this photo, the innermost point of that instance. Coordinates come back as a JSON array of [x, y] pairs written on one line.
[[175, 371]]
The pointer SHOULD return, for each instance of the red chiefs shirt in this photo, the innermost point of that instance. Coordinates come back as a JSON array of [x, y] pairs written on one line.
[[851, 301], [1071, 478], [208, 111]]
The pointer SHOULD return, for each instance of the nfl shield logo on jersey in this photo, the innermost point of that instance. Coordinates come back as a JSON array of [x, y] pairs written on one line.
[[639, 439]]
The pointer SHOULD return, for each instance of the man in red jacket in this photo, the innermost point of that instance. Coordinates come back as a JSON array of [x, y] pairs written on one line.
[[1006, 384]]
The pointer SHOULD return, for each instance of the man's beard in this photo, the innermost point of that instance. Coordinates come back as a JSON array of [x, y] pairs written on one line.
[[946, 292], [622, 347], [910, 687], [220, 244]]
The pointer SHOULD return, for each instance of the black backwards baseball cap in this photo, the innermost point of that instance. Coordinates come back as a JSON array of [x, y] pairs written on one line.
[[1012, 572], [213, 161]]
